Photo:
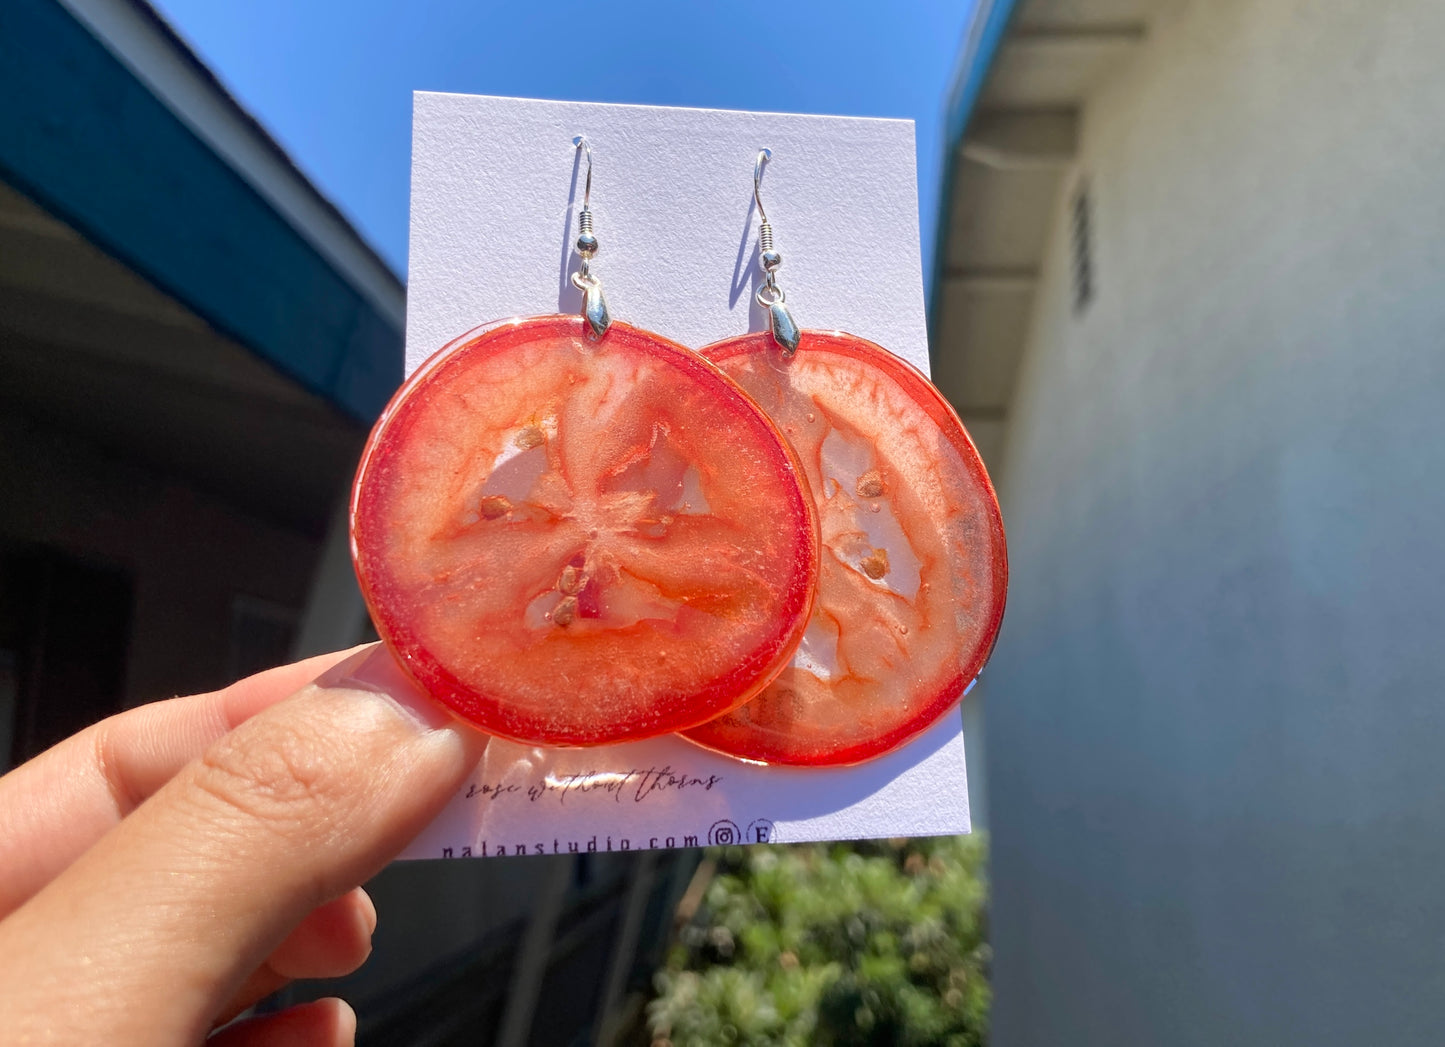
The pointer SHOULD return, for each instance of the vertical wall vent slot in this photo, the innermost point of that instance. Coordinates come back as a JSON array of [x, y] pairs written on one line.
[[1081, 247]]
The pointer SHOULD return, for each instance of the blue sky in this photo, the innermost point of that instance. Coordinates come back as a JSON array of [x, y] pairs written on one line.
[[332, 81]]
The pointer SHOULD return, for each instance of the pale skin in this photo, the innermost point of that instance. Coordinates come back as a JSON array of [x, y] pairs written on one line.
[[165, 869]]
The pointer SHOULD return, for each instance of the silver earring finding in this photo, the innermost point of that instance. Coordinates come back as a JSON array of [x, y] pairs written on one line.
[[594, 305], [770, 296]]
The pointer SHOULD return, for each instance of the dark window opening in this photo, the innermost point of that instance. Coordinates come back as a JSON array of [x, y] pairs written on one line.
[[64, 633]]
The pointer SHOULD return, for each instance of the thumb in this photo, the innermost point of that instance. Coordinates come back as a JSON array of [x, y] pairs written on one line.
[[145, 936]]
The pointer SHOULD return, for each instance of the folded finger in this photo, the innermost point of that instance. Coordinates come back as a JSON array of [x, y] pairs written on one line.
[[333, 940], [55, 806]]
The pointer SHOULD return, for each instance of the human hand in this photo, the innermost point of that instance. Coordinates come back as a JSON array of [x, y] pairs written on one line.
[[166, 868]]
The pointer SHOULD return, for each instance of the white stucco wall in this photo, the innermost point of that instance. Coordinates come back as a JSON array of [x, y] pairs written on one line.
[[1216, 716]]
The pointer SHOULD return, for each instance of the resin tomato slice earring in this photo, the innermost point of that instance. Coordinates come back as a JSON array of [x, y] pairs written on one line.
[[914, 570], [556, 527]]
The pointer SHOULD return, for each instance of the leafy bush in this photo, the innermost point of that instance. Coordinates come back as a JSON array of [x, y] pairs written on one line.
[[867, 943]]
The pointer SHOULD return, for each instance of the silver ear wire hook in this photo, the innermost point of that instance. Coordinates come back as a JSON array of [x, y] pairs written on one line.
[[594, 306], [764, 155], [770, 296], [580, 141]]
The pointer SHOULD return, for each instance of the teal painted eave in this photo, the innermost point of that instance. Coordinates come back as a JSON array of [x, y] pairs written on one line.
[[986, 32], [86, 140]]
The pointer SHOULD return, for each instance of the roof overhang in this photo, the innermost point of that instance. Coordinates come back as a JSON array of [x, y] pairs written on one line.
[[113, 126], [1013, 118]]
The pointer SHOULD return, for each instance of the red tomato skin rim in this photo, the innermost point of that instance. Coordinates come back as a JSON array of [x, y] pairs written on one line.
[[922, 390], [469, 704]]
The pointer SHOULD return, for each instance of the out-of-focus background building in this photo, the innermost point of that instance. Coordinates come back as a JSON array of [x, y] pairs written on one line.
[[193, 344], [1191, 300]]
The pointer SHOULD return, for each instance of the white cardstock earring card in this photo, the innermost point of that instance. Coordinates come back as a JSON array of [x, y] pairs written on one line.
[[496, 184]]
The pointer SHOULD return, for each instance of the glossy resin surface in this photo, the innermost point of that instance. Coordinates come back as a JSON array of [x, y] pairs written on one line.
[[576, 542], [913, 572]]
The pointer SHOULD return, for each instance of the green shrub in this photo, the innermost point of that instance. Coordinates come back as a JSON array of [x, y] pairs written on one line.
[[868, 943]]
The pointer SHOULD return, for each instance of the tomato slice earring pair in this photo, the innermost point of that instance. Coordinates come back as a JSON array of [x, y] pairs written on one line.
[[574, 543], [573, 540], [574, 532]]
